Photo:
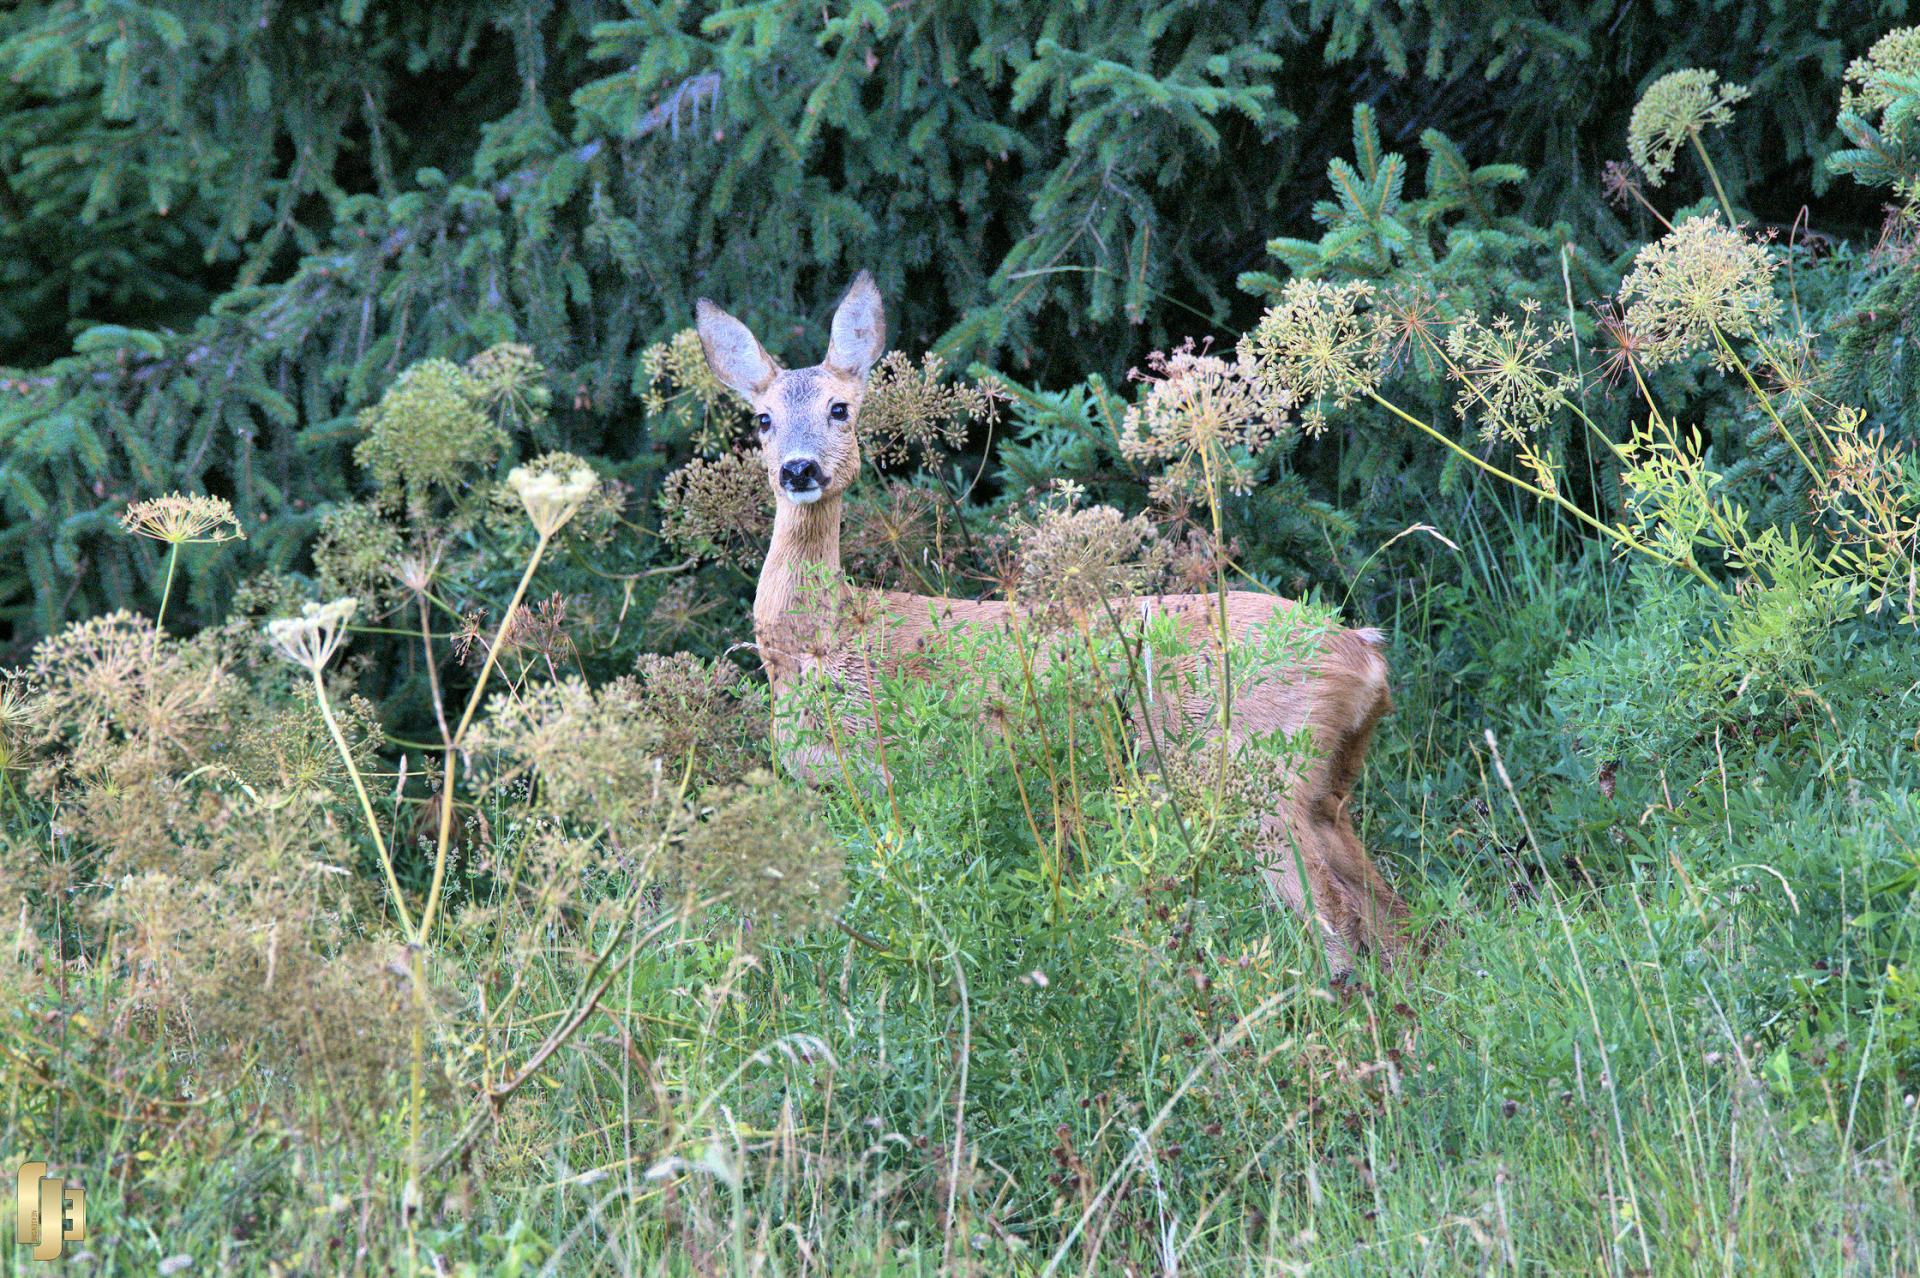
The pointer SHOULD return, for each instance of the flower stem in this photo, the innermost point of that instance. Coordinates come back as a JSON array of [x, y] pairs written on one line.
[[1226, 657], [366, 804], [1861, 527], [1693, 135], [416, 1082], [173, 558], [1623, 538], [1657, 214], [433, 673], [416, 961], [1766, 405], [449, 772]]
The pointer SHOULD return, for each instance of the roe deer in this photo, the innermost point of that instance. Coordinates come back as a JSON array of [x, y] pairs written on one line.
[[806, 419]]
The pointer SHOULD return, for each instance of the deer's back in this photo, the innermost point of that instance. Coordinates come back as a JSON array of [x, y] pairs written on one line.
[[1338, 688]]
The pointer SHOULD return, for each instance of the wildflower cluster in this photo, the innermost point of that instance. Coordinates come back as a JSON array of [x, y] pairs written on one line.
[[682, 389], [909, 409], [1196, 560], [1203, 419], [1238, 800], [114, 680], [597, 754], [552, 493], [598, 513], [509, 382], [284, 747], [1701, 279], [203, 802], [719, 508], [1508, 379], [893, 529], [358, 553], [252, 962], [20, 714], [1867, 90], [311, 639], [681, 610], [1674, 111], [429, 433], [765, 850], [118, 712], [709, 715], [1320, 343], [179, 519], [1073, 561]]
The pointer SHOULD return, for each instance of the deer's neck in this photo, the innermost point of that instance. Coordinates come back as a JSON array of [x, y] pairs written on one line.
[[799, 581]]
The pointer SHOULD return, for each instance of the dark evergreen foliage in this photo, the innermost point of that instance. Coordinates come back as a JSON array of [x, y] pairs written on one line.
[[244, 217]]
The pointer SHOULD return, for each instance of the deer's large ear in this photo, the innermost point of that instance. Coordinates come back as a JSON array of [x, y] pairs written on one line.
[[859, 329], [733, 353]]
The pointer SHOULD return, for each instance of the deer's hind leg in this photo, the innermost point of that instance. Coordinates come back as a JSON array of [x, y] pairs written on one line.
[[1379, 913], [1294, 860], [1319, 868], [1350, 900]]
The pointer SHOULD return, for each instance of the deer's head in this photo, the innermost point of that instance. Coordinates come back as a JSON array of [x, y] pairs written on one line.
[[805, 416]]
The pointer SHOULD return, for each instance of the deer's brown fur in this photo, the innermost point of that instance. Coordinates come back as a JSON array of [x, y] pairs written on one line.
[[1312, 855]]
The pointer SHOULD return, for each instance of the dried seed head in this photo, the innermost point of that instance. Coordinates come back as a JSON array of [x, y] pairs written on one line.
[[596, 751], [1675, 109], [1321, 343], [719, 508], [1203, 419], [115, 678], [21, 711], [1506, 371], [682, 609], [1617, 184], [178, 519], [911, 410], [682, 388], [1625, 350], [1073, 561], [1700, 277]]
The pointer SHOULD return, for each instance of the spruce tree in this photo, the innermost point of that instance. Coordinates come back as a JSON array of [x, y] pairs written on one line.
[[227, 224]]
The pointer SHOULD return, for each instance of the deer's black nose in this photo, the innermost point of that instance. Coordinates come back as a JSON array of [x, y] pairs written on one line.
[[801, 476]]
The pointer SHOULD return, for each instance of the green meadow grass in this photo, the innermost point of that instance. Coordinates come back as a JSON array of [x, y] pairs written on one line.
[[1668, 1028]]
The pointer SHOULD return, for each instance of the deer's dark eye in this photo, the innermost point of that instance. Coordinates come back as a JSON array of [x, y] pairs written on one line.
[[838, 412], [765, 421]]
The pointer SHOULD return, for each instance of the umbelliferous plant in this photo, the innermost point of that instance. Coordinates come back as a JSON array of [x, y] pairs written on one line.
[[1673, 113]]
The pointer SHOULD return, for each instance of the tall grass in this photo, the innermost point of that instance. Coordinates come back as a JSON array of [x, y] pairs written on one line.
[[1621, 1053]]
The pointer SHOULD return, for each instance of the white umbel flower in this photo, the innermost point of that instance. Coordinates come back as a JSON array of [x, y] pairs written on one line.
[[550, 499], [313, 637]]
